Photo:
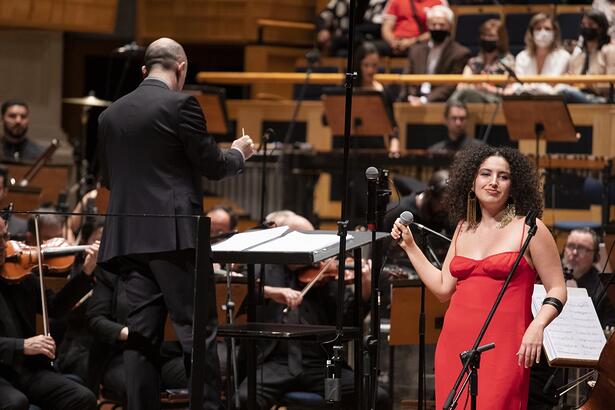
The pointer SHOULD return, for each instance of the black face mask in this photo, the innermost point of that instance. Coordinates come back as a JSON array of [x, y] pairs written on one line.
[[488, 46], [589, 33], [438, 36]]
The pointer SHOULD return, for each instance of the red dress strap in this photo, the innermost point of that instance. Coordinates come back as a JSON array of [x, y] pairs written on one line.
[[459, 225], [522, 236]]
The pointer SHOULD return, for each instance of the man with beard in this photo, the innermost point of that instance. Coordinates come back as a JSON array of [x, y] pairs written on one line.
[[15, 143]]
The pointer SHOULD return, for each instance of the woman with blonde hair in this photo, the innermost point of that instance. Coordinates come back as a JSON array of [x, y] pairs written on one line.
[[543, 54]]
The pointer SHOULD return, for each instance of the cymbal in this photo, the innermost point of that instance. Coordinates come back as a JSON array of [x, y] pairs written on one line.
[[89, 101], [131, 48]]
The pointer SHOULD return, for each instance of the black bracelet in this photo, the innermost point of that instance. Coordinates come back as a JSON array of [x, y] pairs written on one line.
[[555, 302]]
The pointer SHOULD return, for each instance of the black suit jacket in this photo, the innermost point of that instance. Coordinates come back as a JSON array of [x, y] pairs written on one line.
[[19, 304], [154, 150], [452, 61]]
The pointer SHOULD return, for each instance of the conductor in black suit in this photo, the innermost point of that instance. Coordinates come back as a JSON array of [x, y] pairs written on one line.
[[154, 151]]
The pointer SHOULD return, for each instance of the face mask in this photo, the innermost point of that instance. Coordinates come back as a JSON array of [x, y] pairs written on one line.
[[589, 33], [438, 36], [488, 46], [543, 38]]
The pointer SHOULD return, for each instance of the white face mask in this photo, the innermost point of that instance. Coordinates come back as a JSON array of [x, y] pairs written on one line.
[[543, 38]]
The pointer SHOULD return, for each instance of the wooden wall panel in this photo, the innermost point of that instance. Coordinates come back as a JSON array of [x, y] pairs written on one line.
[[215, 21], [66, 15]]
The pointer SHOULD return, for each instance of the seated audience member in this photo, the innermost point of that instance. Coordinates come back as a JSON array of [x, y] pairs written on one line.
[[491, 58], [580, 257], [106, 314], [608, 8], [285, 366], [455, 117], [440, 55], [16, 224], [15, 143], [404, 24], [332, 24], [26, 374], [543, 54], [594, 55], [368, 60]]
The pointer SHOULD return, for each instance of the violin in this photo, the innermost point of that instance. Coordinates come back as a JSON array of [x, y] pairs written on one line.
[[325, 273], [329, 272], [20, 259]]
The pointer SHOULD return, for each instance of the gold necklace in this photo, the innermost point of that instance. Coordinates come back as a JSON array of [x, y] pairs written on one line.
[[509, 214]]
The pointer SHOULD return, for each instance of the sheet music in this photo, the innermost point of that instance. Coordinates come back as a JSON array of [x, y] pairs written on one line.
[[300, 242], [576, 333], [246, 240]]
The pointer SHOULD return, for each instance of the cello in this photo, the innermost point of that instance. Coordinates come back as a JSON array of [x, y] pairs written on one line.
[[601, 397]]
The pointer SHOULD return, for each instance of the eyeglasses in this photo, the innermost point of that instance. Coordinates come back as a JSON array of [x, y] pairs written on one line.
[[581, 250]]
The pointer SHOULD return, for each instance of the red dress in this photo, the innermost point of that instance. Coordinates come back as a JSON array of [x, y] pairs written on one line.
[[502, 384]]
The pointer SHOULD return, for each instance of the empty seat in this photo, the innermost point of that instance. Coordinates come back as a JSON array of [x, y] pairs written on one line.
[[570, 25]]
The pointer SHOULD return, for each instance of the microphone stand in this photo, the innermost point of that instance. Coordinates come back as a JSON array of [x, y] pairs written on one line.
[[342, 224], [471, 358], [372, 341]]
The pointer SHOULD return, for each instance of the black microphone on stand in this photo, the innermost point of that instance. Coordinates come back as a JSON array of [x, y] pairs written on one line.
[[372, 174]]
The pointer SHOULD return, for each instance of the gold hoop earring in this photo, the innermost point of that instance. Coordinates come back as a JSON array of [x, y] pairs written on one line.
[[471, 210]]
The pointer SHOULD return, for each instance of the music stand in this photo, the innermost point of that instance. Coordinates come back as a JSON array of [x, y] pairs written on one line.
[[26, 198], [405, 294], [371, 114], [536, 117], [406, 324], [252, 256], [213, 103]]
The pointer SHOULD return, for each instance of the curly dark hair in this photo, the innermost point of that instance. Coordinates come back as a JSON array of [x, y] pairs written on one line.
[[525, 191]]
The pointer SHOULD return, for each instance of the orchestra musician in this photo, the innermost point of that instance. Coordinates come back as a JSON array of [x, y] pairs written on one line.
[[581, 253], [26, 374], [299, 366], [154, 148], [16, 145]]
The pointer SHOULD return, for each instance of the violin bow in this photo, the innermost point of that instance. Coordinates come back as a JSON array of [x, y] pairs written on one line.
[[40, 278], [316, 278]]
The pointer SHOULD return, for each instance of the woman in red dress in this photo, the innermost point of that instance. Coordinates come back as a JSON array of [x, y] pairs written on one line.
[[490, 191]]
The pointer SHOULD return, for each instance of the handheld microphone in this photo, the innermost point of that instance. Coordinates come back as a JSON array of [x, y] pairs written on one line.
[[406, 218], [372, 175]]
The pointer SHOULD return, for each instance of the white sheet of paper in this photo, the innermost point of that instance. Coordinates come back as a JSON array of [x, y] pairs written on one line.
[[299, 242], [245, 240], [576, 333]]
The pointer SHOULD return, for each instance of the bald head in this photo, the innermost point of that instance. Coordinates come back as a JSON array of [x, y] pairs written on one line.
[[164, 52], [165, 58]]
